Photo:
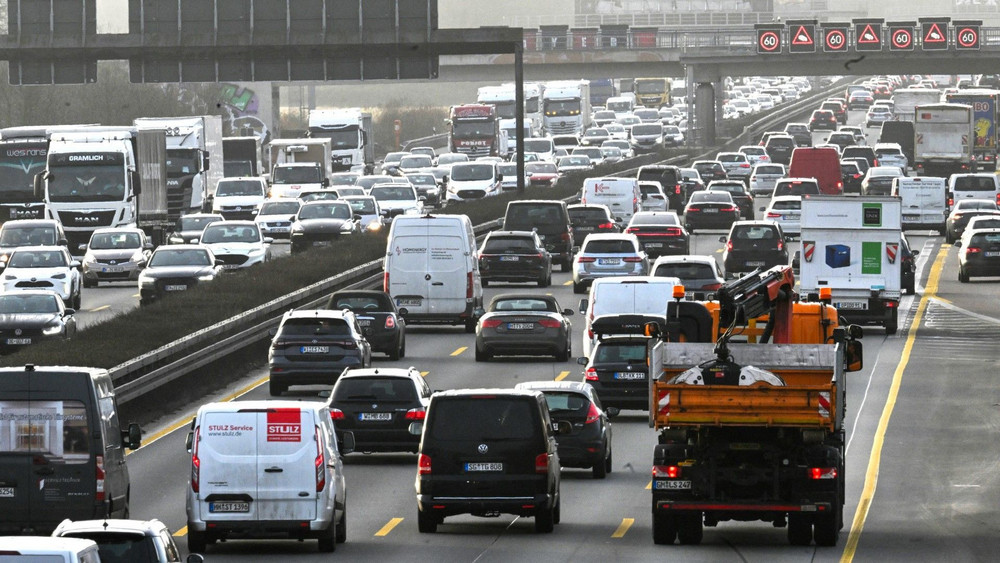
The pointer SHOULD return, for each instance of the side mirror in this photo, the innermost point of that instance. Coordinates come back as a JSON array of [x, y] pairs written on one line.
[[568, 312], [268, 240], [582, 361], [67, 312], [564, 427], [37, 186], [854, 356], [75, 264], [583, 306], [499, 177], [133, 436], [357, 216], [62, 242], [415, 428], [722, 238], [272, 331], [914, 252], [348, 445], [205, 162], [189, 441], [956, 244]]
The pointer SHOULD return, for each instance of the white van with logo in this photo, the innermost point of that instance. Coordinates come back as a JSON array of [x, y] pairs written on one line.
[[432, 270], [636, 296], [264, 468], [924, 200], [621, 195], [978, 185]]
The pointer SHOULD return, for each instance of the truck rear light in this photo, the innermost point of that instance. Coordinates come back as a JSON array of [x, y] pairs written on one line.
[[890, 304], [817, 473], [593, 415], [424, 465], [469, 286], [677, 189], [666, 471], [550, 323], [320, 463], [591, 374], [390, 322], [542, 463], [416, 414], [336, 414], [385, 282], [195, 462], [99, 475], [491, 323]]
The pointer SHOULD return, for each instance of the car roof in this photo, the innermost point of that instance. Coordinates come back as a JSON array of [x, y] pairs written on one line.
[[45, 543], [111, 525], [577, 386], [31, 223], [611, 236], [486, 391], [685, 258], [525, 234], [119, 230], [401, 373], [261, 404], [47, 248], [235, 223], [785, 198]]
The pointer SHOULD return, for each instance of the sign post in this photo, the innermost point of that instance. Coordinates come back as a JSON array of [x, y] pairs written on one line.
[[768, 39]]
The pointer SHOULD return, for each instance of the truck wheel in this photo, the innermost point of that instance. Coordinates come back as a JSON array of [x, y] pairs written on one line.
[[545, 520], [911, 286], [689, 529], [426, 523], [825, 527], [196, 542], [89, 283], [799, 530], [482, 355], [948, 237], [664, 529], [579, 288], [892, 324], [394, 354]]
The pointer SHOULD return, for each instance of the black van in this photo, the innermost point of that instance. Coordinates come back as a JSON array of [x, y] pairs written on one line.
[[670, 178], [901, 133], [62, 452], [488, 452], [550, 219]]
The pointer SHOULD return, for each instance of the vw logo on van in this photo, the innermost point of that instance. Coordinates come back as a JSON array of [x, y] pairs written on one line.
[[483, 448]]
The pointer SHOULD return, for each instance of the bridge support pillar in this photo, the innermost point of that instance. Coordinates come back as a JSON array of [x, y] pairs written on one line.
[[704, 101]]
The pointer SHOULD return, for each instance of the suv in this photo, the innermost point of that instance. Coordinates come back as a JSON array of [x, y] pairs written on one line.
[[795, 186], [617, 372], [753, 245], [669, 178], [587, 218], [313, 346], [135, 541], [514, 256], [487, 452], [779, 148], [29, 232], [550, 219], [377, 407], [823, 119]]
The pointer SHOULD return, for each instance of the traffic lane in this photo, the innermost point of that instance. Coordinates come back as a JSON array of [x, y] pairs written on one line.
[[940, 445], [101, 303], [979, 294]]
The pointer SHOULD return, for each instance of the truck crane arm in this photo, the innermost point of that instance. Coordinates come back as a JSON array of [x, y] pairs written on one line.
[[758, 293]]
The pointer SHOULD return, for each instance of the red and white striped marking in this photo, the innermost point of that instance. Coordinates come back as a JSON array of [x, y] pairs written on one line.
[[891, 249], [663, 403], [824, 404], [808, 249]]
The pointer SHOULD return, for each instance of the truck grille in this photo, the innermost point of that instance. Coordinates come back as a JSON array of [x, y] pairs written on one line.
[[234, 213], [87, 219], [561, 128], [232, 259], [474, 152], [178, 197]]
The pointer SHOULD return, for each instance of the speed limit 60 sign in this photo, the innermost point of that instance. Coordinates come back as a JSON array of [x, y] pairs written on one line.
[[967, 35], [769, 39], [834, 38]]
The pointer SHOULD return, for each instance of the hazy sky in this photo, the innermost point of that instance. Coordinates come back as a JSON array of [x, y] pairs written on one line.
[[112, 16]]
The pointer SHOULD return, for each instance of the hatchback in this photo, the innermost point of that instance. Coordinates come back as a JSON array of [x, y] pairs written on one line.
[[237, 244], [800, 132], [618, 373], [877, 115], [44, 267], [851, 175], [753, 245], [764, 177], [842, 139], [737, 165], [135, 541], [524, 324], [690, 182], [755, 153], [31, 316], [796, 186], [115, 254], [710, 210], [963, 211], [878, 180], [779, 148], [515, 256], [739, 193], [981, 256], [275, 217], [653, 198], [312, 347], [697, 273], [590, 218], [786, 210], [176, 268], [659, 233], [378, 405], [607, 255], [891, 154], [823, 119]]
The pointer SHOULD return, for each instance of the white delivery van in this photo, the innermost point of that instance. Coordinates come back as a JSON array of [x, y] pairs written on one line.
[[636, 296], [260, 468], [621, 195], [38, 549], [981, 185], [924, 200], [432, 270]]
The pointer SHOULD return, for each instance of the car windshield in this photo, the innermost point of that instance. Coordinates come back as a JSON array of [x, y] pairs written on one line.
[[451, 158], [510, 245], [613, 246], [363, 206], [472, 172], [731, 188], [37, 259], [578, 160], [394, 193], [14, 303], [27, 236], [523, 304], [394, 157], [223, 233], [279, 208], [380, 389], [109, 241], [588, 215], [179, 257], [416, 161], [620, 352], [239, 188], [596, 133], [326, 210], [314, 326], [195, 223], [652, 129]]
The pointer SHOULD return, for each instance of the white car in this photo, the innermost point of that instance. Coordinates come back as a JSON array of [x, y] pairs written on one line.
[[397, 199], [622, 144], [237, 244], [755, 153], [45, 267], [131, 537], [890, 154], [239, 198], [786, 210], [653, 198], [275, 217], [617, 131], [764, 176]]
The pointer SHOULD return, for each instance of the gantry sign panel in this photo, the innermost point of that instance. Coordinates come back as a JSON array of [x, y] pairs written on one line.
[[71, 19]]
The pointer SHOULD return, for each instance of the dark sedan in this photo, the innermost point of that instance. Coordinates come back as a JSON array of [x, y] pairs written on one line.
[[176, 268], [587, 219], [659, 233], [589, 443], [738, 191], [709, 170], [378, 405], [823, 119], [523, 324], [852, 176], [963, 212], [515, 256], [32, 315], [380, 321], [710, 210], [319, 223]]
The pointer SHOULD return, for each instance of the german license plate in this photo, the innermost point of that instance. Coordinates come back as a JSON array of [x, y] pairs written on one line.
[[609, 261], [755, 263], [630, 375], [483, 467], [509, 258], [911, 217], [853, 305], [112, 269], [321, 243], [711, 210], [6, 492], [18, 341], [520, 326], [991, 253], [375, 416], [228, 506], [409, 302], [230, 266], [175, 288], [653, 245], [314, 349], [365, 322], [671, 485]]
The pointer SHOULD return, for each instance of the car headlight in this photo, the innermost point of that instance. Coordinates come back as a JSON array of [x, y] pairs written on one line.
[[374, 226], [146, 280], [52, 329], [347, 227], [137, 256], [297, 228], [89, 258]]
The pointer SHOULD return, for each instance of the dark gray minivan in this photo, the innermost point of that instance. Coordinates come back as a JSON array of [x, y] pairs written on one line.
[[62, 451], [488, 452]]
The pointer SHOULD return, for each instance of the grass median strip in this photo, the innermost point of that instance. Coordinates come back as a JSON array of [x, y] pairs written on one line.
[[384, 531]]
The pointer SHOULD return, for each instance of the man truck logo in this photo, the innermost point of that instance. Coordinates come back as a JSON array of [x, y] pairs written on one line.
[[284, 425]]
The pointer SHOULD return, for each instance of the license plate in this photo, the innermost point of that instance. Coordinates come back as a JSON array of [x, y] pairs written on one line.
[[755, 263], [175, 287], [509, 258], [6, 492], [321, 243], [711, 210], [18, 341], [855, 305], [520, 326], [478, 467], [112, 269], [911, 217], [609, 261], [668, 485], [653, 245], [375, 416], [365, 322], [991, 254], [229, 507], [630, 375], [409, 302], [314, 349], [230, 266]]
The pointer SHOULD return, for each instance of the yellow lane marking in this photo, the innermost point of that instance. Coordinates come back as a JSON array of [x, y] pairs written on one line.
[[460, 350], [388, 527], [623, 527], [101, 308], [570, 282], [182, 532], [137, 295], [562, 375], [649, 486], [424, 373], [871, 476], [187, 421]]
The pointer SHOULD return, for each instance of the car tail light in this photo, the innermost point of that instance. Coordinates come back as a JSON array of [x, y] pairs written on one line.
[[591, 374], [347, 344], [666, 471], [631, 231], [550, 323], [565, 237], [730, 209], [593, 415], [390, 322], [99, 475], [195, 463], [320, 464], [817, 473], [753, 178], [773, 215], [586, 259], [469, 286], [424, 465], [606, 226], [416, 414], [856, 176], [677, 189], [491, 323], [875, 162], [632, 259], [689, 209], [385, 282], [729, 246], [840, 185], [336, 414], [973, 250], [744, 165], [951, 201], [542, 463], [781, 245]]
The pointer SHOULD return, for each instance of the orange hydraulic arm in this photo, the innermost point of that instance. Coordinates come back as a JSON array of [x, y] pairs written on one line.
[[756, 294]]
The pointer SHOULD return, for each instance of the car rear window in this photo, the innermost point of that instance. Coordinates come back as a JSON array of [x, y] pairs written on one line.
[[975, 184], [685, 271], [523, 304], [985, 239], [881, 152], [483, 418], [381, 389], [563, 402], [647, 189], [121, 547], [620, 352], [770, 170], [665, 176], [731, 158], [587, 215], [55, 429], [797, 188], [780, 142], [533, 215], [509, 245], [609, 247], [731, 188], [654, 219], [315, 327], [755, 232], [787, 204]]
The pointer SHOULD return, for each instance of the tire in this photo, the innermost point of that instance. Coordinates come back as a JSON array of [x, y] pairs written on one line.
[[470, 326], [89, 283], [402, 348], [545, 520], [566, 265], [689, 528], [608, 463], [600, 469], [341, 536], [276, 389], [664, 529], [911, 287], [579, 288], [426, 524], [948, 237], [799, 530], [557, 513], [963, 276], [394, 354], [566, 353], [544, 282], [826, 527], [891, 327], [196, 542], [328, 539], [482, 355], [77, 300]]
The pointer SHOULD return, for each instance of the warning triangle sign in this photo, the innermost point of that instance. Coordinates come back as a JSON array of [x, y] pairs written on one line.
[[868, 35], [802, 37], [935, 35]]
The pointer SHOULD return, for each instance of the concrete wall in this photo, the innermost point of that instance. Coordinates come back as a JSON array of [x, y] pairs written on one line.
[[475, 13]]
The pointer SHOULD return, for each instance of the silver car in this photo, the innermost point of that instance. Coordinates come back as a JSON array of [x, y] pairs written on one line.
[[608, 255], [891, 154], [115, 255], [764, 177]]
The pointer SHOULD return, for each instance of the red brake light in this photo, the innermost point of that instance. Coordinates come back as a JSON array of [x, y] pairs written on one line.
[[668, 471], [773, 215], [817, 473], [856, 176], [876, 162], [693, 209], [550, 323], [593, 415], [972, 250], [491, 323], [424, 465], [469, 286], [195, 462], [606, 226], [416, 414], [320, 464], [99, 475], [781, 245], [542, 463], [729, 245], [390, 322], [632, 259], [591, 374], [586, 259], [336, 414], [677, 189], [631, 231], [730, 209]]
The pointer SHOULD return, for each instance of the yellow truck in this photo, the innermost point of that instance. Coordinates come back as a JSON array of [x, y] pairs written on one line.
[[652, 92]]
